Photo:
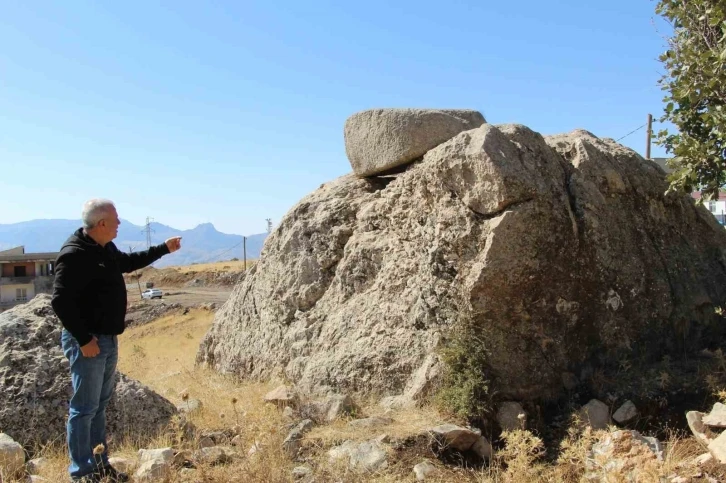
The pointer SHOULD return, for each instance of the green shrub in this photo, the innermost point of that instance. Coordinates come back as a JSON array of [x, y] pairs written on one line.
[[465, 386]]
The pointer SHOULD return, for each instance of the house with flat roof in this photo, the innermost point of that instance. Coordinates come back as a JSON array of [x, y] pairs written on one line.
[[23, 275], [716, 206]]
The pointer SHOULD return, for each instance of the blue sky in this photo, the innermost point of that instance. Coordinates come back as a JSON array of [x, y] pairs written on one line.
[[230, 112]]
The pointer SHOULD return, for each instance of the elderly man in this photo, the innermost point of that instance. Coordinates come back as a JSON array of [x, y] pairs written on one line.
[[89, 297]]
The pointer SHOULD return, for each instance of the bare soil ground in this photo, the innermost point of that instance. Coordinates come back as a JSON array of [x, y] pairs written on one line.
[[219, 274], [174, 302], [185, 296]]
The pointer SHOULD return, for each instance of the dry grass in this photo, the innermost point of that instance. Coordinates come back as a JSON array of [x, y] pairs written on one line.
[[228, 266], [161, 355]]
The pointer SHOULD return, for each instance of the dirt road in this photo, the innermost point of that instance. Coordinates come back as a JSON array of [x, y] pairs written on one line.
[[186, 296]]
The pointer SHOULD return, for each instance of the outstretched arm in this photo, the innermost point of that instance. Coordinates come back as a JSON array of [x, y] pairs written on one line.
[[128, 262]]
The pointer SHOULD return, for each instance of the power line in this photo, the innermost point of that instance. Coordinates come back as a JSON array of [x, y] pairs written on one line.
[[222, 253], [631, 132]]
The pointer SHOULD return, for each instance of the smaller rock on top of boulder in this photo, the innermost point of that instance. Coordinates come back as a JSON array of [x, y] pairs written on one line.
[[379, 140]]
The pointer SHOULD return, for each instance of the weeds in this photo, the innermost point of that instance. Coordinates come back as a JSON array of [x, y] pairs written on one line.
[[466, 390], [465, 387], [522, 456]]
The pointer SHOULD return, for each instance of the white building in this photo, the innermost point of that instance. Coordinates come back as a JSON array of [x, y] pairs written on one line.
[[717, 207]]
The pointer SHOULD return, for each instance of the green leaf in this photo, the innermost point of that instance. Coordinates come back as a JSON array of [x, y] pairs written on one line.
[[695, 73]]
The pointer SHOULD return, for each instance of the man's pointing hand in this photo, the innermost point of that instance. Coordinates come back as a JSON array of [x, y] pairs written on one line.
[[173, 244]]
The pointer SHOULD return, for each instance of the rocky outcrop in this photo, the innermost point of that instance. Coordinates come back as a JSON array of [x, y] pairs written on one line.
[[36, 385], [379, 140], [560, 253]]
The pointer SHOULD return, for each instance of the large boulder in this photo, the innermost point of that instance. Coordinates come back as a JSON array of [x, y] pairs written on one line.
[[36, 385], [379, 140], [560, 253]]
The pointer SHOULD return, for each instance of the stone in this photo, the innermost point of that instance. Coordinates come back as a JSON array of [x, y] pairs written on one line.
[[701, 432], [717, 448], [368, 457], [703, 459], [378, 140], [152, 470], [12, 455], [364, 457], [36, 465], [291, 444], [374, 422], [423, 469], [623, 456], [539, 243], [36, 385], [455, 437], [508, 416], [189, 406], [206, 442], [482, 448], [123, 465], [331, 408], [219, 437], [382, 439], [595, 414], [183, 459], [237, 441], [625, 413], [215, 455], [165, 455], [717, 417], [342, 451], [300, 472], [154, 463], [281, 395]]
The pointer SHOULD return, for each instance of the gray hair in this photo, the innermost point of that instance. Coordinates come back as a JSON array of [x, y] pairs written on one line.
[[94, 210]]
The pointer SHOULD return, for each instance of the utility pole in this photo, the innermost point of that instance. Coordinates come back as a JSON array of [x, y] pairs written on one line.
[[147, 229], [138, 277], [649, 134], [244, 250]]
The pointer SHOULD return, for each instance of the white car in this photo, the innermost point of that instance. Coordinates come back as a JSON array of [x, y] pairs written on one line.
[[152, 293]]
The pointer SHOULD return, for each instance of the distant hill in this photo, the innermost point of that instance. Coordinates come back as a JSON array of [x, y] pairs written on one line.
[[200, 244]]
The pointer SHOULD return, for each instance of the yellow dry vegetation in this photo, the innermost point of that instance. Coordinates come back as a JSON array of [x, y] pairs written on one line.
[[228, 266], [161, 354]]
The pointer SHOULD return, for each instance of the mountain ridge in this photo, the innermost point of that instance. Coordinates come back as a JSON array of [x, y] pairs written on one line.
[[203, 243]]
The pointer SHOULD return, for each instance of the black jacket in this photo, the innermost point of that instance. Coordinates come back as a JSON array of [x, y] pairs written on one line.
[[89, 292]]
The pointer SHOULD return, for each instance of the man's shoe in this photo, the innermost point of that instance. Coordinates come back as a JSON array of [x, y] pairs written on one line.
[[112, 475]]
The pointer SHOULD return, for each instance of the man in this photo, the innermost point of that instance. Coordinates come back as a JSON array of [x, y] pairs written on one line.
[[89, 297]]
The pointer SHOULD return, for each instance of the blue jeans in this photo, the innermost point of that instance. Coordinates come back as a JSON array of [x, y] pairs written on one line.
[[93, 380]]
